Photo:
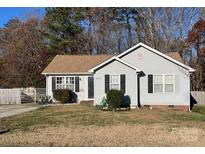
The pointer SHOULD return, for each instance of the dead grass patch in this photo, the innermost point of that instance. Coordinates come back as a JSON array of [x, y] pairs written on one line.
[[120, 135]]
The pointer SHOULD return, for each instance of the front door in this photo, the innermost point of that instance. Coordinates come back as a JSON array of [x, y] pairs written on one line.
[[90, 87]]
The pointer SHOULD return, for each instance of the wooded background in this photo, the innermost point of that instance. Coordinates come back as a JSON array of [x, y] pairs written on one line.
[[27, 46]]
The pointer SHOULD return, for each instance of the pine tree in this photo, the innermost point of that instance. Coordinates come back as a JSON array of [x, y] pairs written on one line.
[[63, 29]]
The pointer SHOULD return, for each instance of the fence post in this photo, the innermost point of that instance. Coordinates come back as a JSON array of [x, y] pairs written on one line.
[[34, 95]]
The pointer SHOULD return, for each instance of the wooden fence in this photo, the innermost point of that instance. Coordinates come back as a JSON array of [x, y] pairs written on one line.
[[21, 95], [10, 96], [199, 96]]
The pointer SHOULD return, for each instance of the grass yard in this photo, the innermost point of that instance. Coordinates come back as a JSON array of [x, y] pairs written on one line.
[[83, 125]]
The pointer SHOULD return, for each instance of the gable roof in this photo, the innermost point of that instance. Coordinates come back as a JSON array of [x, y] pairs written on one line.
[[113, 59], [158, 53], [84, 64], [63, 64], [175, 56]]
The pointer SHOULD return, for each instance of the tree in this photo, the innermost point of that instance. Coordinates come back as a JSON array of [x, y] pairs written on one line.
[[196, 38], [62, 29], [23, 57], [26, 47]]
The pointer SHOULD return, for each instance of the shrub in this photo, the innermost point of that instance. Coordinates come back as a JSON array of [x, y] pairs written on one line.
[[114, 99], [62, 95]]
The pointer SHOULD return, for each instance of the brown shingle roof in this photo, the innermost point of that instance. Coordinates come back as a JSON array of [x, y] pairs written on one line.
[[175, 56], [74, 63], [82, 63]]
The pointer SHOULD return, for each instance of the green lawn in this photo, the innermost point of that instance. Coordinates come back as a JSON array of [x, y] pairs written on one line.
[[85, 120]]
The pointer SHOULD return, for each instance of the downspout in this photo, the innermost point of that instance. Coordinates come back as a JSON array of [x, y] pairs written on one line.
[[94, 103], [189, 108], [190, 91], [137, 91]]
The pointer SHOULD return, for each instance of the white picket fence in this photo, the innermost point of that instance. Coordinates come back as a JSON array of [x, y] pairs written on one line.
[[10, 96], [199, 96]]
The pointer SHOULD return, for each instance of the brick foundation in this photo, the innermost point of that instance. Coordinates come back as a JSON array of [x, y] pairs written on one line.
[[168, 107]]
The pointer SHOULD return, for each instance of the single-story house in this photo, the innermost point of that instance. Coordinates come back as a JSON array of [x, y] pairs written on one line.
[[147, 76]]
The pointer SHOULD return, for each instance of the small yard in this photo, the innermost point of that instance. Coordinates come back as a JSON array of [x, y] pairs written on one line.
[[83, 125]]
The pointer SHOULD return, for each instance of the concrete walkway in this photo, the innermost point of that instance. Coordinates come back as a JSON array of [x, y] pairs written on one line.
[[10, 110]]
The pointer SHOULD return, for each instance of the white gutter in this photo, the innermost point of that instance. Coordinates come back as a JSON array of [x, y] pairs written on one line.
[[83, 73]]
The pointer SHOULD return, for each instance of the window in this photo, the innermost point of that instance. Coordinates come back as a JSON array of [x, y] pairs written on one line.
[[115, 82], [169, 83], [158, 83], [65, 83], [59, 82], [163, 83], [70, 83]]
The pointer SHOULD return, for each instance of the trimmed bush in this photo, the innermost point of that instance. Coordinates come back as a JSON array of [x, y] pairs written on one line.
[[62, 95], [114, 99]]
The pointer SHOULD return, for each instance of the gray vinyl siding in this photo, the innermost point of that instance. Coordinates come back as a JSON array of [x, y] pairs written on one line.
[[151, 63], [115, 68]]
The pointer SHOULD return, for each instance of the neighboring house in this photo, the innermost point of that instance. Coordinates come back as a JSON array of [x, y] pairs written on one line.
[[147, 76]]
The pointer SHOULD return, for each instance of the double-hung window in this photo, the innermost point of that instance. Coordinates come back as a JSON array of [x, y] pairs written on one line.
[[169, 83], [158, 83], [60, 82], [70, 83], [163, 83], [115, 82]]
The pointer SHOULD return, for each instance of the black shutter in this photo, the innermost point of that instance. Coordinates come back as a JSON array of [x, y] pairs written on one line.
[[53, 83], [122, 83], [107, 83], [150, 83], [76, 84]]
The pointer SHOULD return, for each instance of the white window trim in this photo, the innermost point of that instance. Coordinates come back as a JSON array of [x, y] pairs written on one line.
[[70, 84], [110, 80], [163, 84], [64, 84], [57, 83]]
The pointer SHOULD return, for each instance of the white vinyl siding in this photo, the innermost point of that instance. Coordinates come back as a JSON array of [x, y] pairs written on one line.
[[115, 82], [163, 83]]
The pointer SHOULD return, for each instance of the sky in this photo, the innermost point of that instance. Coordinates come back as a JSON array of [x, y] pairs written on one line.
[[7, 13]]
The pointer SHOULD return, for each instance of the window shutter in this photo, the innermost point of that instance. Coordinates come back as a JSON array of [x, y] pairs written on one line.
[[107, 83], [53, 83], [150, 83], [76, 84], [122, 83]]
